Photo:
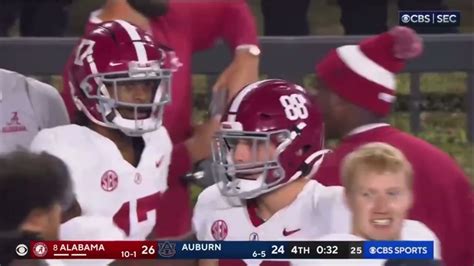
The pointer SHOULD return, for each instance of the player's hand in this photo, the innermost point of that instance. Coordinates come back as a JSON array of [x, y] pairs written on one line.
[[242, 70], [199, 145], [201, 174]]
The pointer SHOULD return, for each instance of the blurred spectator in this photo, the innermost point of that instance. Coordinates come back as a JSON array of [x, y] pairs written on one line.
[[35, 189], [367, 17], [356, 91], [285, 18], [26, 107], [187, 27], [37, 18]]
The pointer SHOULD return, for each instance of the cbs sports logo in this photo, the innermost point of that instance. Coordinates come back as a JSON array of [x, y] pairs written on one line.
[[430, 18]]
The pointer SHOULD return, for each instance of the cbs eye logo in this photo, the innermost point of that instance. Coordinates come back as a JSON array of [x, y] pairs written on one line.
[[21, 250], [406, 18]]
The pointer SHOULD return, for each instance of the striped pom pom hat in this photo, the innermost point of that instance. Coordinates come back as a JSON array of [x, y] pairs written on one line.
[[364, 74]]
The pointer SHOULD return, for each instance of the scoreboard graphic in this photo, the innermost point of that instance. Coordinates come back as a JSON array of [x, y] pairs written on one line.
[[260, 250]]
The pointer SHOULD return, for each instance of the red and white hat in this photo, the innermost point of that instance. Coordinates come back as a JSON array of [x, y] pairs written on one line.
[[364, 74]]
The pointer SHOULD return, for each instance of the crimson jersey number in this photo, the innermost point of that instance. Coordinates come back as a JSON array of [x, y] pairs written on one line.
[[134, 212]]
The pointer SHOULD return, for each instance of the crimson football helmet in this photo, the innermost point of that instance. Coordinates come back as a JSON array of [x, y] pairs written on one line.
[[112, 60], [267, 112]]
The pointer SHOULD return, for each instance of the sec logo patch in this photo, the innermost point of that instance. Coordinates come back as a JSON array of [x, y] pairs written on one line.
[[219, 230], [109, 181]]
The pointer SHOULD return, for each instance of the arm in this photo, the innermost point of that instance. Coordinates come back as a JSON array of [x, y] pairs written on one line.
[[195, 149], [230, 20], [330, 205], [181, 162], [233, 22]]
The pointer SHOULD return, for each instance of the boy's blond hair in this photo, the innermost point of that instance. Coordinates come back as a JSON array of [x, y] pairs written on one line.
[[375, 157]]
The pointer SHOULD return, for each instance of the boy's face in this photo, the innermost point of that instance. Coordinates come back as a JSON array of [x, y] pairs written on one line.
[[247, 151], [134, 92], [379, 203]]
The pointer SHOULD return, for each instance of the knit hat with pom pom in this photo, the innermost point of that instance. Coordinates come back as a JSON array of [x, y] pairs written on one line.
[[364, 74]]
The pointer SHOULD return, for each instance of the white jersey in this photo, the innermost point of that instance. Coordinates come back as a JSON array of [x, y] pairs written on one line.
[[107, 185], [317, 210], [412, 230]]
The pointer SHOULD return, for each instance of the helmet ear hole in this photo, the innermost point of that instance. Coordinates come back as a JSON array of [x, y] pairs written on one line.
[[265, 116], [303, 150], [306, 148]]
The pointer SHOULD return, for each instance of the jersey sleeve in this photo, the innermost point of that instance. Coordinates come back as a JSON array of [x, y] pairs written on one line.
[[54, 141], [50, 141], [208, 201], [436, 246], [44, 141], [199, 217], [330, 205]]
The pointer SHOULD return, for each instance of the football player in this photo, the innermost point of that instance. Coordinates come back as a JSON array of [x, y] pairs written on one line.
[[119, 158], [378, 186], [270, 142]]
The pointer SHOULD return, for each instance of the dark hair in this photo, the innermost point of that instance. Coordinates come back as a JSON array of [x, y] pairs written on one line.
[[31, 181]]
